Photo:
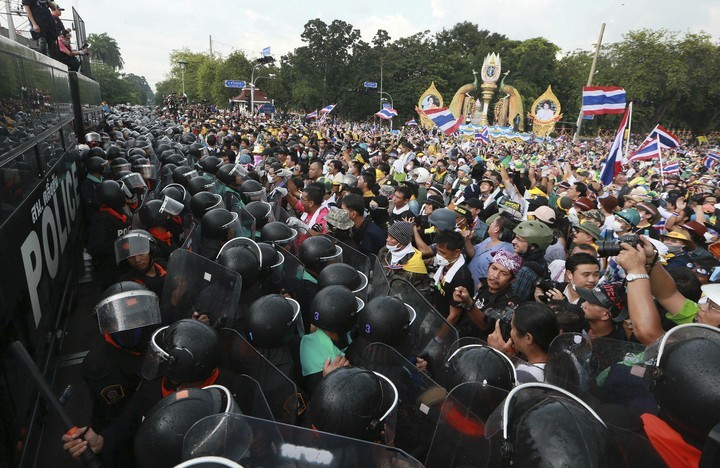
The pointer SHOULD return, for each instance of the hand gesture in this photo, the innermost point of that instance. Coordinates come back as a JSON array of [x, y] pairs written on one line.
[[461, 295], [201, 317], [77, 443], [632, 259], [331, 365], [496, 340]]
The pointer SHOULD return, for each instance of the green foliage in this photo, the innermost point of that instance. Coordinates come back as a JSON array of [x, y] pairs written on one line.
[[670, 77], [117, 88]]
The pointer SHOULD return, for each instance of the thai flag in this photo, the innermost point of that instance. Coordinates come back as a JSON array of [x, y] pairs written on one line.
[[387, 113], [671, 168], [327, 109], [667, 139], [411, 123], [444, 119], [311, 115], [483, 136], [608, 173], [597, 100], [649, 150], [711, 160]]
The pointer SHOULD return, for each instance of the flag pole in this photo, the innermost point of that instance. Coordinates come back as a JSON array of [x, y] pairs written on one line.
[[662, 166], [589, 81], [628, 130]]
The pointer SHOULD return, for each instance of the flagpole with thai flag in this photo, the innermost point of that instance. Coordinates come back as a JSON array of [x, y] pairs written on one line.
[[629, 130], [616, 150], [662, 166]]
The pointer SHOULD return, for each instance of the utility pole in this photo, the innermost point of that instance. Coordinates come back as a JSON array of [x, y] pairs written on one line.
[[211, 52], [589, 81], [11, 23]]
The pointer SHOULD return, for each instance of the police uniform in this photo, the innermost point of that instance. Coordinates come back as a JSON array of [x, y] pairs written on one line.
[[106, 227]]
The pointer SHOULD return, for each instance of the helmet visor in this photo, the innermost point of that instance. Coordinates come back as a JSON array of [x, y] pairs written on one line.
[[227, 435], [133, 243], [127, 311], [154, 356], [134, 182], [147, 171], [118, 168], [171, 207]]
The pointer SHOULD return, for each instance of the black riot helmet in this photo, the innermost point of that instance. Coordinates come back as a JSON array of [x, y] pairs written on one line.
[[183, 174], [203, 202], [195, 150], [226, 174], [128, 313], [542, 425], [686, 377], [152, 215], [353, 402], [217, 227], [119, 165], [111, 194], [211, 164], [271, 321], [186, 351], [159, 439], [200, 184], [96, 165], [177, 159], [277, 232], [113, 152], [188, 139], [242, 256], [344, 275], [260, 210], [177, 192], [97, 151], [271, 260], [386, 319], [93, 139], [251, 190], [319, 251], [478, 363], [335, 309]]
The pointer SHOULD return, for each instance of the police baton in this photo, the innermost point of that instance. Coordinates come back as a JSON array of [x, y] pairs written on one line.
[[88, 457]]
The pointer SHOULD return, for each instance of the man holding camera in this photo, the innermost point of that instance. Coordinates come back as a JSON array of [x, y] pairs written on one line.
[[494, 292]]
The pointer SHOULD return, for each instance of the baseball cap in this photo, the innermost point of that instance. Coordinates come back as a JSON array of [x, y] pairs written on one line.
[[544, 214], [608, 295]]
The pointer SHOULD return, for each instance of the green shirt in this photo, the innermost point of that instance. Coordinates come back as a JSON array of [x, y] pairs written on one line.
[[315, 349], [687, 313]]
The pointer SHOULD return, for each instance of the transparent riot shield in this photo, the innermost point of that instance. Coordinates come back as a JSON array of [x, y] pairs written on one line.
[[431, 334], [240, 357], [600, 370], [248, 394], [279, 213], [234, 204], [459, 438], [192, 238], [420, 398], [253, 442], [379, 285], [355, 258], [196, 284]]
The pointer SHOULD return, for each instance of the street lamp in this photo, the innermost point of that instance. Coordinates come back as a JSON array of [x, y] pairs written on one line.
[[183, 65]]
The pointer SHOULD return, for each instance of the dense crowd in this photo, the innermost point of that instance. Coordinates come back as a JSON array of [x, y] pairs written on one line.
[[537, 302]]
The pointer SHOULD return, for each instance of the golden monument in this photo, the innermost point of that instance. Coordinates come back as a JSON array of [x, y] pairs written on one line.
[[463, 104], [545, 111], [490, 73], [509, 109], [430, 99]]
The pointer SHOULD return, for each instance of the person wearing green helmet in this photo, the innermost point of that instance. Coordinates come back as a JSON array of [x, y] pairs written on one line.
[[531, 240]]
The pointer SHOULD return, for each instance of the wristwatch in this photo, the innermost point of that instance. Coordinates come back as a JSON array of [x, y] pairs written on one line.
[[633, 276]]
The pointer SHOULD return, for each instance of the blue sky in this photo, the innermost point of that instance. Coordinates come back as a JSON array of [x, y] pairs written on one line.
[[148, 30]]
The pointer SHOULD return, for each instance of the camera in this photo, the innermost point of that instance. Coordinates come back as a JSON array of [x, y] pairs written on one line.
[[612, 248], [546, 285], [503, 315]]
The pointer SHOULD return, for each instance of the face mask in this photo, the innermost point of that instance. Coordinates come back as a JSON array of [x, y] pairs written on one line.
[[393, 248], [708, 237], [441, 261], [270, 178], [674, 249], [409, 167], [310, 154], [616, 226]]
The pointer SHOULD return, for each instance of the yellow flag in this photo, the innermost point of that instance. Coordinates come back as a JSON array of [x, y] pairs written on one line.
[[702, 139]]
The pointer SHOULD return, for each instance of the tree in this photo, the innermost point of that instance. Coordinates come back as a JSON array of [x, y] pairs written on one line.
[[105, 49]]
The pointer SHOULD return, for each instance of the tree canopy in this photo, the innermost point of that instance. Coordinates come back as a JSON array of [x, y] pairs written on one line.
[[670, 77]]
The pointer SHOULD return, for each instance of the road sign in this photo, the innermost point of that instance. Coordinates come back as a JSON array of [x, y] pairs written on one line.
[[234, 84], [370, 84], [266, 109]]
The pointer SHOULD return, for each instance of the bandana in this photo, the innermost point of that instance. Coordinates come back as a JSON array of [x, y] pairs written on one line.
[[509, 260]]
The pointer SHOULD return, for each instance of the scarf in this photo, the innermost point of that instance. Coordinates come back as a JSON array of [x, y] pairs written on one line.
[[113, 213], [395, 257], [209, 381], [164, 237], [441, 277]]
